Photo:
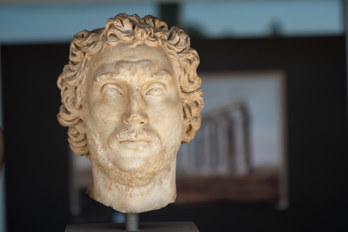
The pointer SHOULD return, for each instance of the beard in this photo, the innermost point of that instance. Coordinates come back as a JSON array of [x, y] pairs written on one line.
[[104, 153]]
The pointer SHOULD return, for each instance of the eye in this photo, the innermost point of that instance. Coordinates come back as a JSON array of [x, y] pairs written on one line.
[[111, 90], [155, 91]]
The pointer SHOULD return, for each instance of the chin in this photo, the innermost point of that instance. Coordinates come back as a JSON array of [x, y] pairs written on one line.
[[131, 165]]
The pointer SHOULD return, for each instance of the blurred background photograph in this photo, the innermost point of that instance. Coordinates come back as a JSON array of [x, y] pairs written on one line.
[[271, 153], [238, 155]]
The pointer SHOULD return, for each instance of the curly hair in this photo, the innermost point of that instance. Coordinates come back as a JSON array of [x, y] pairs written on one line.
[[131, 29]]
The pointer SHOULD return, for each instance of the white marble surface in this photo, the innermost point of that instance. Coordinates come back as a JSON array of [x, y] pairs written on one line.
[[130, 96]]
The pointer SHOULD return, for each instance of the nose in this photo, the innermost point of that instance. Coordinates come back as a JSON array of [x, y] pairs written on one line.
[[136, 111], [137, 119]]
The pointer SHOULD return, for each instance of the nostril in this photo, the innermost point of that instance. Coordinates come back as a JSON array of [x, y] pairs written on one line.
[[135, 119]]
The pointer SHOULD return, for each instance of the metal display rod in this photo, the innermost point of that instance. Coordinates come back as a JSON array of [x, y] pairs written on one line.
[[132, 221]]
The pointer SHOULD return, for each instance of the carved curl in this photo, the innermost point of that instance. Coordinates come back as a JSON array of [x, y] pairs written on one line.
[[132, 29]]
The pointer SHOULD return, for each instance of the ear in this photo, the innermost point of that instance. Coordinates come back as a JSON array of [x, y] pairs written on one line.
[[192, 119], [77, 139]]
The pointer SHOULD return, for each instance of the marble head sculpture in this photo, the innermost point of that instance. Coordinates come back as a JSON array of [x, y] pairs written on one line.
[[130, 96]]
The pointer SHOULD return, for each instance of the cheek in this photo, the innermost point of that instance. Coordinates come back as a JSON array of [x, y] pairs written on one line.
[[103, 113], [166, 117]]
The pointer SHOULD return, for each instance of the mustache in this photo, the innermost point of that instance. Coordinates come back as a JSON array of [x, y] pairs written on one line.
[[129, 133]]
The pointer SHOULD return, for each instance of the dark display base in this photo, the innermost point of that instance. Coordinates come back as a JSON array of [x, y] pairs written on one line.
[[151, 226]]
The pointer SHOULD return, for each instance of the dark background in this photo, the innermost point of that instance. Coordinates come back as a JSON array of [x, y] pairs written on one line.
[[36, 153]]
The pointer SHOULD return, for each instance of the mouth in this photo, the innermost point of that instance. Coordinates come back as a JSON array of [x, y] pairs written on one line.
[[137, 145]]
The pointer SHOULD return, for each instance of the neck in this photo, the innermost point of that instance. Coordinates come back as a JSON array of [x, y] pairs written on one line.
[[156, 194]]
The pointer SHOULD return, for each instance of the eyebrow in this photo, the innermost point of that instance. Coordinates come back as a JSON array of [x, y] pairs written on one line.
[[107, 75], [115, 75]]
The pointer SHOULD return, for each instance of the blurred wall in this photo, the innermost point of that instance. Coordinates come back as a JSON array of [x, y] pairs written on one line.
[[2, 202], [2, 169], [57, 22]]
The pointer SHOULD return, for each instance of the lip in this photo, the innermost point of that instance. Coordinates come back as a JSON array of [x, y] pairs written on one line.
[[135, 144]]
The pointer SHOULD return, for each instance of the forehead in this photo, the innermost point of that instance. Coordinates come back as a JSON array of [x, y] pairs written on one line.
[[122, 53], [128, 71]]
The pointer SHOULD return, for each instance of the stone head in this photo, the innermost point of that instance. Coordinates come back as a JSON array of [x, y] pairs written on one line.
[[130, 96]]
